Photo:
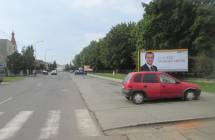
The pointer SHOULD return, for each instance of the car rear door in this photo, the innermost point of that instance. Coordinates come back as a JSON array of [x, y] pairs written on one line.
[[151, 85], [170, 88]]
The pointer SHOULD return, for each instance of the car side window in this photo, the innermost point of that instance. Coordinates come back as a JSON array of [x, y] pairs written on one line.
[[167, 79], [150, 78], [137, 78]]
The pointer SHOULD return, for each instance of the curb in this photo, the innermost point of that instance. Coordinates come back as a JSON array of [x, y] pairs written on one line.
[[106, 78]]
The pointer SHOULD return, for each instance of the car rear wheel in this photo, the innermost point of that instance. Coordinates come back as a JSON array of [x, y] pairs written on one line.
[[190, 95], [138, 98]]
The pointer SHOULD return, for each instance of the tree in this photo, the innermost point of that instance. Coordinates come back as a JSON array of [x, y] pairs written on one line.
[[174, 24], [28, 58], [77, 61], [166, 24], [121, 46], [54, 65], [14, 62]]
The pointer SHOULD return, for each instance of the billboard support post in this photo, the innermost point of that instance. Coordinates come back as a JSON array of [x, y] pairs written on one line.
[[138, 60]]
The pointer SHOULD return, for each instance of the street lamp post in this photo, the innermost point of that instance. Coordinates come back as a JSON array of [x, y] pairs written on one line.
[[46, 51], [36, 45]]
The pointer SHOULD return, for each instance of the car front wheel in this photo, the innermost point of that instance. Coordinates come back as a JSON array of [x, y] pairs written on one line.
[[138, 98], [190, 95]]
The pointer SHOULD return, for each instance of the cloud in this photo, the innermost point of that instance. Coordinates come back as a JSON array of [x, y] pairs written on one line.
[[66, 26]]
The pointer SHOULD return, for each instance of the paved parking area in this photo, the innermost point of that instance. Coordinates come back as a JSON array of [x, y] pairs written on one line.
[[154, 120], [112, 110]]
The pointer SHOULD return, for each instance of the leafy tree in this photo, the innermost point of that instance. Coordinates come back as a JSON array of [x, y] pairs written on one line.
[[166, 24], [121, 46], [54, 65], [28, 58], [14, 62], [77, 61]]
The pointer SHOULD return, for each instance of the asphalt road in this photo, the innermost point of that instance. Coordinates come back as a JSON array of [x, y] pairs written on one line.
[[67, 107], [46, 107]]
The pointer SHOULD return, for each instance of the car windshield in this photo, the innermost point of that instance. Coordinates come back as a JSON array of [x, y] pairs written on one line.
[[167, 78]]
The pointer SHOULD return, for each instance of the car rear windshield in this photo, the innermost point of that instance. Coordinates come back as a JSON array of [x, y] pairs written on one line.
[[128, 77]]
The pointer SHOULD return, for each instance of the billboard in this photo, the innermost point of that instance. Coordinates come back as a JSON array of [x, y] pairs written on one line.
[[166, 60]]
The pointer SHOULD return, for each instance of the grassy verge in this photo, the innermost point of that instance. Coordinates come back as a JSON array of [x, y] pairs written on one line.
[[11, 78], [205, 85]]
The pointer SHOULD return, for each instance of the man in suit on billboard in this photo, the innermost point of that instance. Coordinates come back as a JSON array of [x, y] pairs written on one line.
[[148, 66]]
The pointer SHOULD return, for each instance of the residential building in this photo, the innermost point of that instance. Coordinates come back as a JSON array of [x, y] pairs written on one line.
[[7, 48]]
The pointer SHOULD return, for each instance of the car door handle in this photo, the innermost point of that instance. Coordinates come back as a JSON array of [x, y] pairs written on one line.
[[164, 86], [145, 86]]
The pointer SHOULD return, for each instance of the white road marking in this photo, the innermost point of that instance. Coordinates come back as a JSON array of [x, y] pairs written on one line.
[[6, 100], [50, 130], [85, 123], [14, 125]]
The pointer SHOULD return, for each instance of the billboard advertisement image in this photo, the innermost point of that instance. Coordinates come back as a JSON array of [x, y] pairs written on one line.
[[164, 60]]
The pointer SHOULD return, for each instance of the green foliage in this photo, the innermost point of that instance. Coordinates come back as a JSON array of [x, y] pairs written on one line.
[[28, 58], [22, 61], [15, 62], [166, 24], [115, 51], [69, 67]]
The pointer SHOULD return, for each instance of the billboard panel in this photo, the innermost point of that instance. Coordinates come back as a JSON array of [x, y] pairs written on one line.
[[168, 60]]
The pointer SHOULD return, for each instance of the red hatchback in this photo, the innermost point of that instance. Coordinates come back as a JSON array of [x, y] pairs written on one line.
[[141, 86]]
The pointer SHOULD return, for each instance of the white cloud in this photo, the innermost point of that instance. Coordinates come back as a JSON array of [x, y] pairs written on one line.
[[66, 26]]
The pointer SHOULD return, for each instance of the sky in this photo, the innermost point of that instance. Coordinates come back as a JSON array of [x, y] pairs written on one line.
[[60, 29]]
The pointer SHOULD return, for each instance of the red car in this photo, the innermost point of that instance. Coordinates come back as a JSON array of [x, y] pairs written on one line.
[[141, 86]]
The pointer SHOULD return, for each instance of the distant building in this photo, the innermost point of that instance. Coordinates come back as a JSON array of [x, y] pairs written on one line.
[[7, 48], [60, 67], [87, 68]]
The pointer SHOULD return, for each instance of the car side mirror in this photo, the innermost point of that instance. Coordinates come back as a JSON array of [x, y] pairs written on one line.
[[177, 82]]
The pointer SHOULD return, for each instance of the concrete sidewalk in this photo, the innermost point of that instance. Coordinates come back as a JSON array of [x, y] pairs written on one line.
[[188, 130], [106, 78], [114, 112]]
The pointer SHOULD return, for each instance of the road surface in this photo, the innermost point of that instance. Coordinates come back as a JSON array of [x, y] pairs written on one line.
[[46, 108]]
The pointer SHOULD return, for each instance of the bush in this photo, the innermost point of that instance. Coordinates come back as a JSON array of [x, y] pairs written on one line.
[[201, 66]]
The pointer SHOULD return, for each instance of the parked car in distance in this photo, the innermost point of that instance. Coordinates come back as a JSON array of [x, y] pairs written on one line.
[[142, 86], [80, 72], [45, 72], [71, 71], [53, 72]]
